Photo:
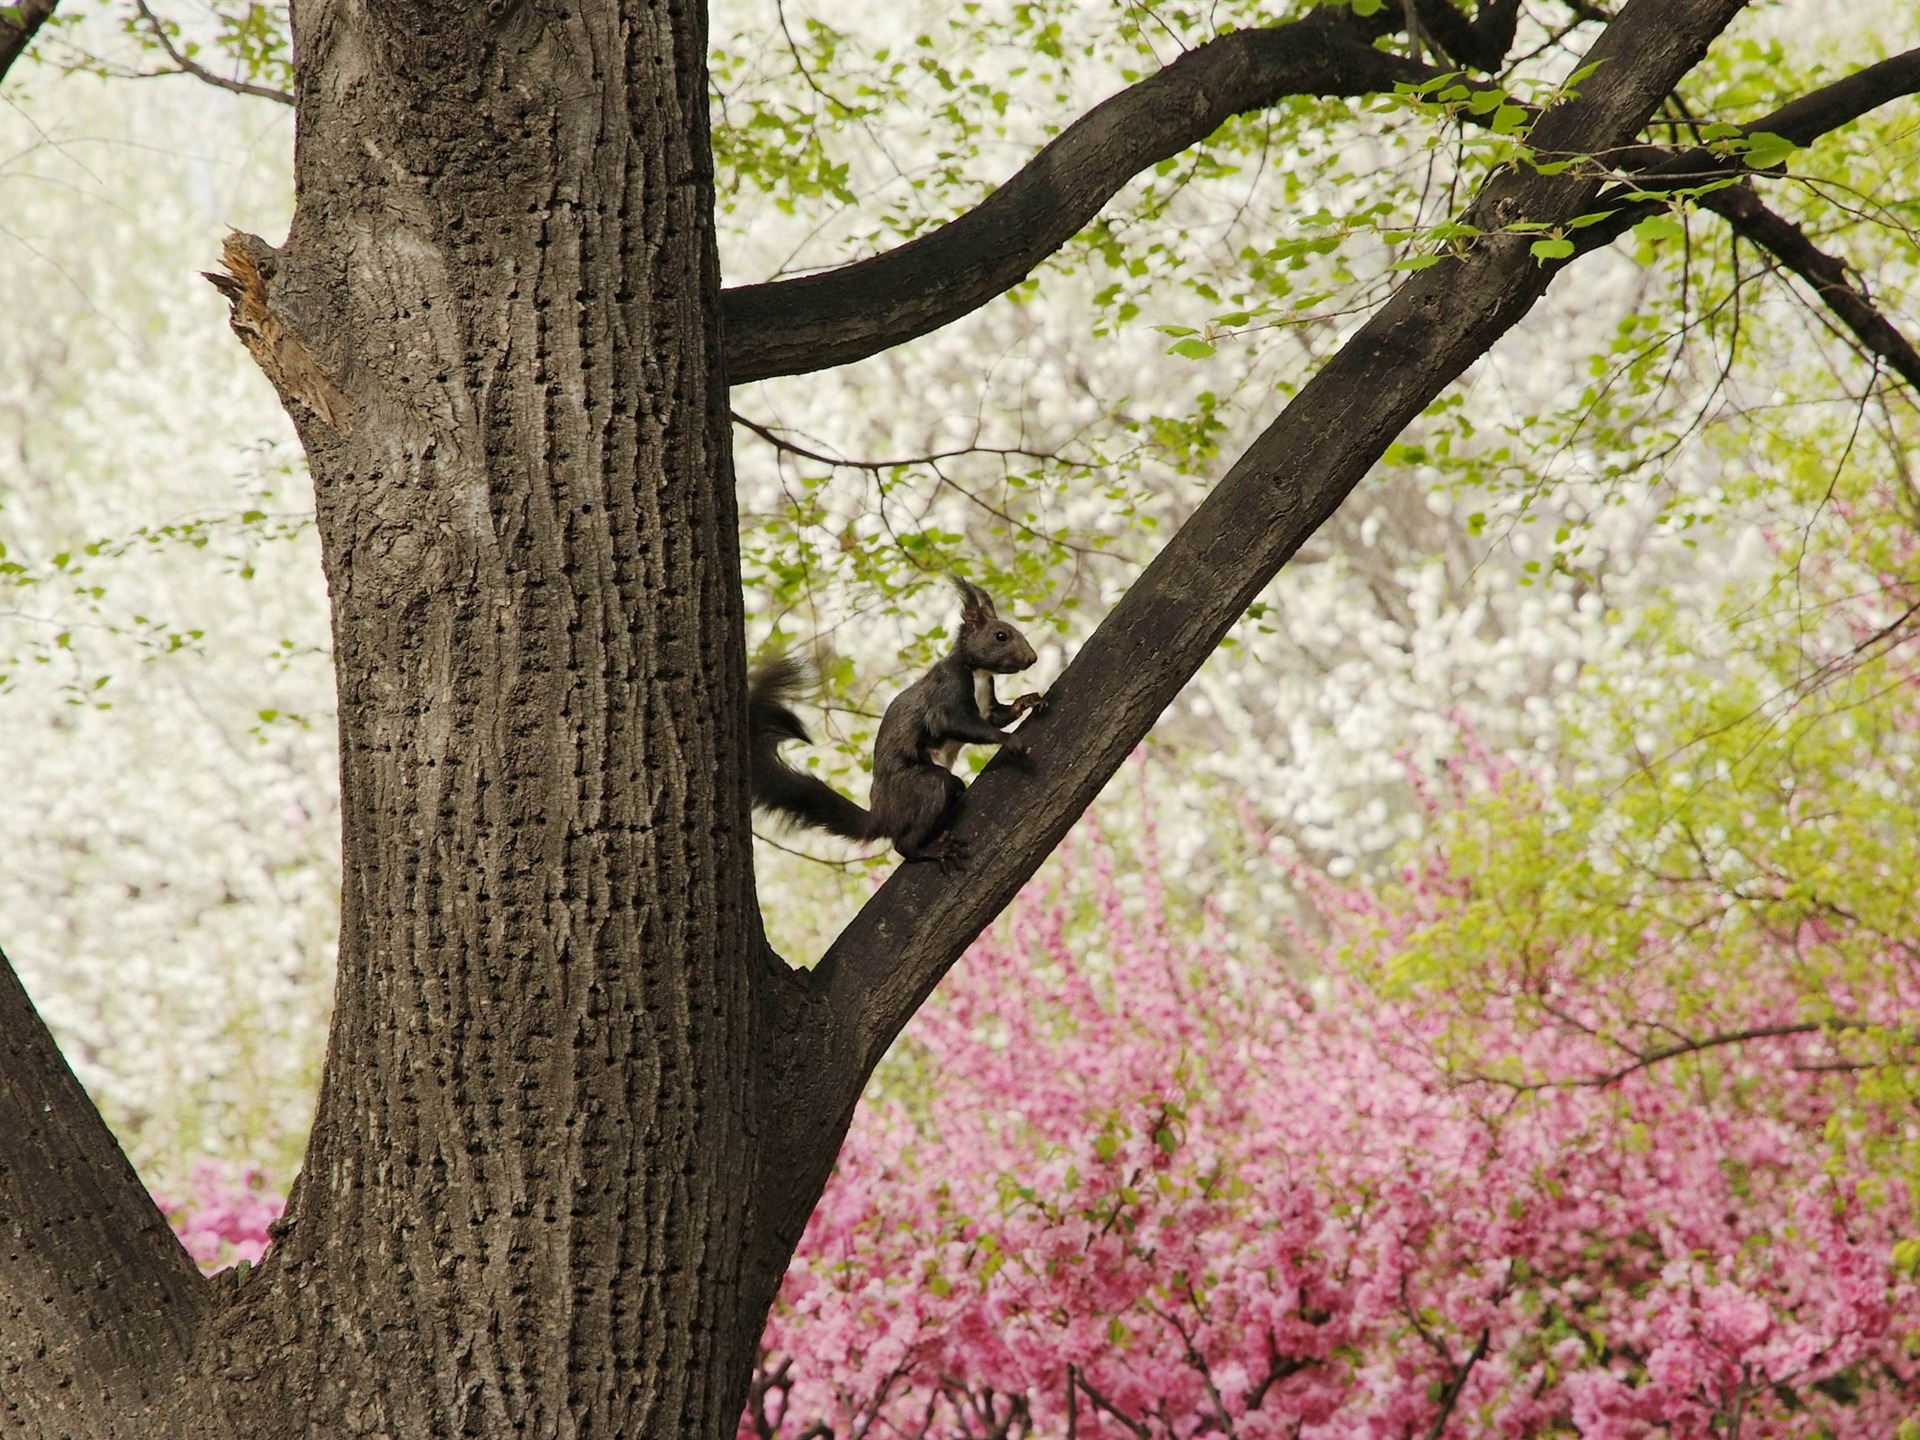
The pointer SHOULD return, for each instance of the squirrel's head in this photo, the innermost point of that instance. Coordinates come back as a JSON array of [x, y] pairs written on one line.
[[986, 641]]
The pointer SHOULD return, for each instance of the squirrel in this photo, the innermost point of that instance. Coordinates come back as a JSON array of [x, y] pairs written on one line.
[[915, 794]]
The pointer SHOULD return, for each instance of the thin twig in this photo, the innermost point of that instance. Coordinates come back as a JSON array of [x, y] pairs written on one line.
[[780, 442], [1645, 1058]]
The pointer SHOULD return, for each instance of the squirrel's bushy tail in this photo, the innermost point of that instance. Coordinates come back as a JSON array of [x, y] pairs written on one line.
[[777, 786]]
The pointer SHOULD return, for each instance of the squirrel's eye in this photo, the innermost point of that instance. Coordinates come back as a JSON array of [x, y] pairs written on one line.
[[999, 634]]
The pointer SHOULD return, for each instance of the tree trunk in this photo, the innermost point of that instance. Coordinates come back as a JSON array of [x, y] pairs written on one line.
[[501, 286]]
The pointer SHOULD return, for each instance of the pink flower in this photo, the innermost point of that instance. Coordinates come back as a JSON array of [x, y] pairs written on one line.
[[222, 1219]]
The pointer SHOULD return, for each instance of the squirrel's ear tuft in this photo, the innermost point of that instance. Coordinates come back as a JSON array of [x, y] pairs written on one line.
[[976, 606]]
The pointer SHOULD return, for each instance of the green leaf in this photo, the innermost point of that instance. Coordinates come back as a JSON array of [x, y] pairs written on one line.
[[1509, 119], [1579, 76], [1550, 249], [1766, 150], [1192, 349], [1659, 227]]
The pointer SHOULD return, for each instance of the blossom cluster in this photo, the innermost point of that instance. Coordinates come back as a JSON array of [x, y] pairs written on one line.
[[222, 1216], [1168, 1192]]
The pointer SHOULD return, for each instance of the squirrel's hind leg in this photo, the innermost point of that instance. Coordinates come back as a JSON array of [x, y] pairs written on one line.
[[935, 806], [947, 851]]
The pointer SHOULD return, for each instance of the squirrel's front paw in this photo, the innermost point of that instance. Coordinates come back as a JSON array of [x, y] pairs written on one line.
[[1032, 700], [1016, 743]]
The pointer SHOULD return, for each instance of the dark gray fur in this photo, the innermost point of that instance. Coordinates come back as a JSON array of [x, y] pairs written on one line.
[[915, 796]]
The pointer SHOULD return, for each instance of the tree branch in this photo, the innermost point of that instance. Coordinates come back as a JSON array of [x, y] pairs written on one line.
[[1645, 1059], [198, 71], [1740, 207], [19, 23], [1709, 1042], [99, 1304], [792, 327], [1822, 111], [1480, 43], [841, 1017], [1802, 121], [1450, 1397], [1651, 169]]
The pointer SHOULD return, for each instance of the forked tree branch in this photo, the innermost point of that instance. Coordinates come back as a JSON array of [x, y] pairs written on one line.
[[19, 23], [1829, 276], [1803, 120], [1653, 169], [792, 327], [98, 1303], [814, 322], [843, 1015]]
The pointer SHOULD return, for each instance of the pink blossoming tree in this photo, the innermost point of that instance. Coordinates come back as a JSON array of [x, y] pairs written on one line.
[[1167, 1191]]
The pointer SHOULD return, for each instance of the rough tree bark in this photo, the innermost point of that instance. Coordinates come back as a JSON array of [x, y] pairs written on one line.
[[19, 23], [575, 1113], [537, 1143]]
